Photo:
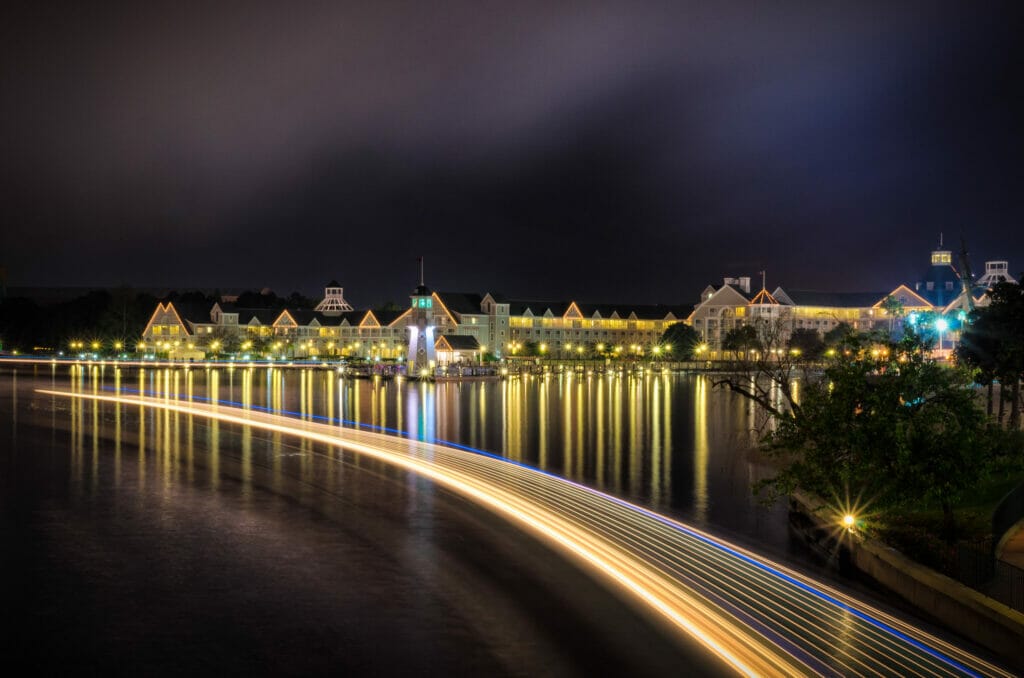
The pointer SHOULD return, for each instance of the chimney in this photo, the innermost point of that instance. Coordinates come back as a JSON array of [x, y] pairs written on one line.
[[743, 283]]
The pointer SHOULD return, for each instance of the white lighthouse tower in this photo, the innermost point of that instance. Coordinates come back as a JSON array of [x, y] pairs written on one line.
[[422, 358]]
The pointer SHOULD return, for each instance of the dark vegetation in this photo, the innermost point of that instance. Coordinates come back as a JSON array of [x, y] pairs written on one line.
[[106, 317], [872, 422]]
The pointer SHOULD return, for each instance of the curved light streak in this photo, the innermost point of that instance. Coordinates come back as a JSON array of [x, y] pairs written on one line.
[[756, 616]]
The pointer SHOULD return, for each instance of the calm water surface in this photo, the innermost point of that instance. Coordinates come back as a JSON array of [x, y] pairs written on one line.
[[151, 541], [668, 441]]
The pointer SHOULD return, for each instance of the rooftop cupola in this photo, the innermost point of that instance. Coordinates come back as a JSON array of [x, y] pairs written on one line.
[[334, 300]]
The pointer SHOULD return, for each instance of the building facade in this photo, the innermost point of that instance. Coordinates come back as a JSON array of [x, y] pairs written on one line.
[[479, 324], [940, 291], [450, 327]]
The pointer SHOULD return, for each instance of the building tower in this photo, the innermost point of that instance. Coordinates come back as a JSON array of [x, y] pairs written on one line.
[[421, 332], [941, 283], [334, 300], [995, 272]]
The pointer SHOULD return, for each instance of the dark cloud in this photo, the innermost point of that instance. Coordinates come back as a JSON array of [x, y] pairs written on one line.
[[621, 151]]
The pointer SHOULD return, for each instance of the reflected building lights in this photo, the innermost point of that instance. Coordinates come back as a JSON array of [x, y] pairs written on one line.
[[700, 449]]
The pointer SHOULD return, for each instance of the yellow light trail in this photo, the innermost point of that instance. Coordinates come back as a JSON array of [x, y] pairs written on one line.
[[757, 617]]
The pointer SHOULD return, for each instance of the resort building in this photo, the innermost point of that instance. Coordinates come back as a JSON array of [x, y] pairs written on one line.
[[940, 291], [459, 326], [441, 328]]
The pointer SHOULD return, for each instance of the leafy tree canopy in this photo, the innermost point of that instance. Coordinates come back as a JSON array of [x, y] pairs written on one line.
[[683, 339], [807, 342], [743, 338], [884, 422]]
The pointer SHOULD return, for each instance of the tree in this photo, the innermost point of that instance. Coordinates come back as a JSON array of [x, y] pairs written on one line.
[[742, 339], [222, 340], [884, 421], [297, 300], [683, 339], [807, 342], [838, 335], [993, 344], [894, 309], [977, 351]]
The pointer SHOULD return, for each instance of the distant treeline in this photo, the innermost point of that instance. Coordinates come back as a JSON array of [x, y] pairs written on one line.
[[107, 316]]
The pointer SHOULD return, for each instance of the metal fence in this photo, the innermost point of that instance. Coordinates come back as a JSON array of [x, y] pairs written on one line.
[[976, 565]]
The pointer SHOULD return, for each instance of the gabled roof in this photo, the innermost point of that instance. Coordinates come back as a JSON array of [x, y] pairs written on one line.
[[285, 318], [166, 312], [569, 309], [913, 298], [724, 295], [307, 317], [392, 318], [457, 342], [958, 303], [369, 320], [348, 318], [828, 299], [729, 294], [720, 289], [444, 307], [258, 316], [461, 302], [537, 307]]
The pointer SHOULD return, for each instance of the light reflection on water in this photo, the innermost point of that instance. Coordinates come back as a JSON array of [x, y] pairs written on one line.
[[666, 440]]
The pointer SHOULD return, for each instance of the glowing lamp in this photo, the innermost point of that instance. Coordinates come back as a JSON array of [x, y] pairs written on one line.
[[942, 324], [849, 521]]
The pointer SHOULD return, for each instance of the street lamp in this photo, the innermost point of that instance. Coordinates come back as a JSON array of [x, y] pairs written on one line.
[[941, 325]]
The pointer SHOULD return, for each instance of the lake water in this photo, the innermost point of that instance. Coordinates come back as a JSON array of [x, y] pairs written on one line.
[[208, 547]]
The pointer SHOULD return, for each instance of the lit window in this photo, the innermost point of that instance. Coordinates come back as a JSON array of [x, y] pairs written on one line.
[[930, 286]]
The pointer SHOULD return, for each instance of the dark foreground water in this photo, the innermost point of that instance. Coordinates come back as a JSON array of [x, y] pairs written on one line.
[[157, 543]]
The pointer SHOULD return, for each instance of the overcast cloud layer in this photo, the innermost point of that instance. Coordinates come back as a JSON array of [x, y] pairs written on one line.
[[594, 150]]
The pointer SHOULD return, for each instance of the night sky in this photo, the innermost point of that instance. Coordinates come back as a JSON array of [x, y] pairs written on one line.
[[598, 151]]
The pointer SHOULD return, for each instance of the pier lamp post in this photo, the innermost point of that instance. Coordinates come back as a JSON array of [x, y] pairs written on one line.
[[941, 324]]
